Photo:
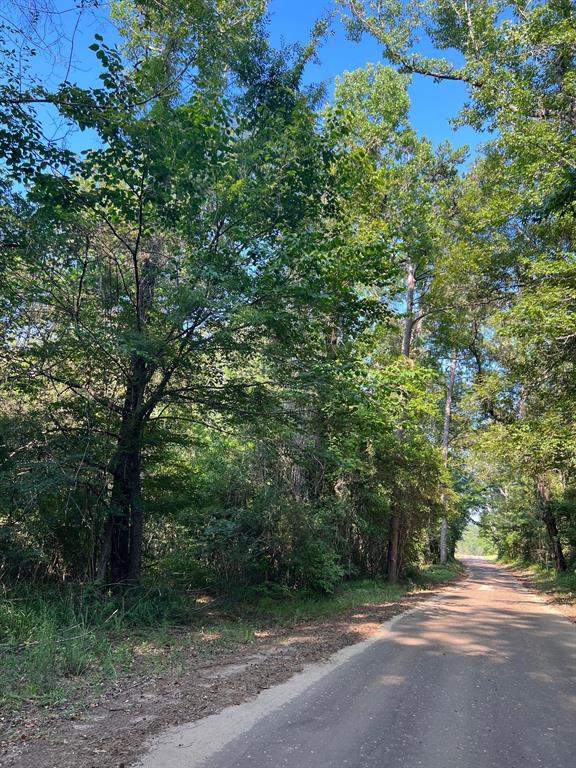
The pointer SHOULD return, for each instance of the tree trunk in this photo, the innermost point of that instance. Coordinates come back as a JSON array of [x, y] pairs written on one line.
[[125, 501], [392, 568], [445, 444], [444, 540], [126, 515], [543, 494], [394, 528], [409, 323]]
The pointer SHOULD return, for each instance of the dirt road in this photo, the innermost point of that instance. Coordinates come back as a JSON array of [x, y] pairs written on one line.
[[483, 676]]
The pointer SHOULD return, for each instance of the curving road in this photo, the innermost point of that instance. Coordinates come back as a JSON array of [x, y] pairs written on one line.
[[483, 677]]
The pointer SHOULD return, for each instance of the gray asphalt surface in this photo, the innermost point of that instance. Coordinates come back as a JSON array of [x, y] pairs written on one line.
[[484, 677]]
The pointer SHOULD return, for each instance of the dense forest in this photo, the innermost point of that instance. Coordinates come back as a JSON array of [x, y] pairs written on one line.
[[259, 334]]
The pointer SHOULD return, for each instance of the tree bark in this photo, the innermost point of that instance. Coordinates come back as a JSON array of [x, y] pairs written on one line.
[[125, 521], [394, 528], [445, 444], [409, 323], [543, 494], [124, 559], [125, 501], [392, 566]]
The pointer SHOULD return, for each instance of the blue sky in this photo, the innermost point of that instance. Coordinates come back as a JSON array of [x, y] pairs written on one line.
[[433, 104]]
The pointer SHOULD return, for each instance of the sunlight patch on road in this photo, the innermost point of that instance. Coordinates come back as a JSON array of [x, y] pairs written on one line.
[[392, 679]]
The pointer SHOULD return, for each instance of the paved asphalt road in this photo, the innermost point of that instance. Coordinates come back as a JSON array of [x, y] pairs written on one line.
[[484, 677]]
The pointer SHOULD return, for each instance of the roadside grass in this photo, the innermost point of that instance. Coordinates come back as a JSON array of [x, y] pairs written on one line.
[[61, 646], [438, 574], [549, 580]]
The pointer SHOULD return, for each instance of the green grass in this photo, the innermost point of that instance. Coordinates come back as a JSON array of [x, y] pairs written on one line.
[[61, 645], [52, 641], [549, 580]]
